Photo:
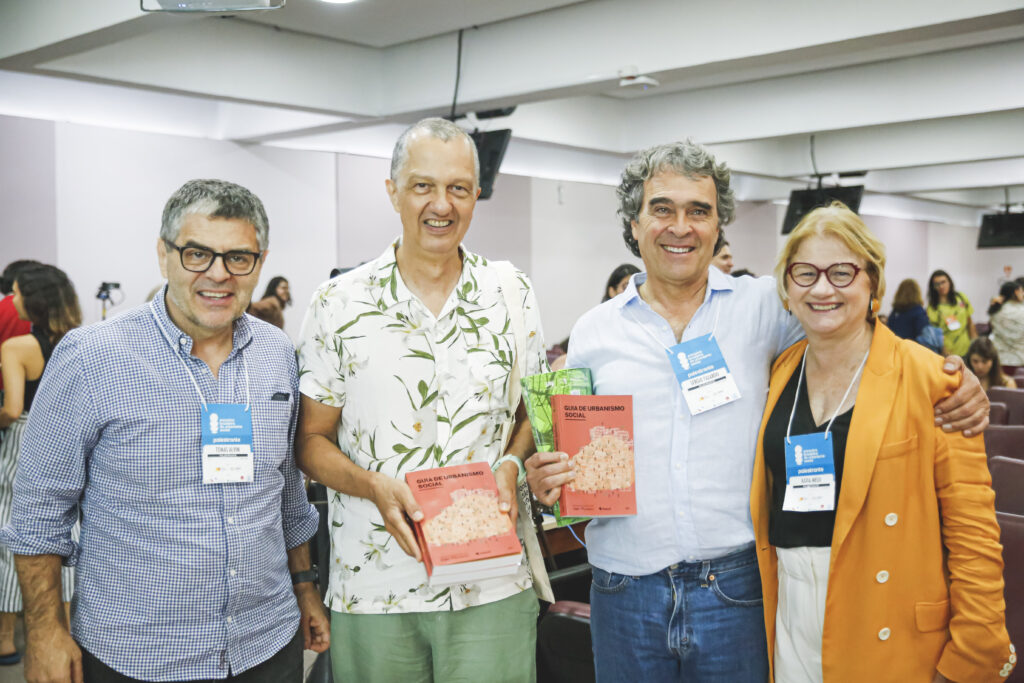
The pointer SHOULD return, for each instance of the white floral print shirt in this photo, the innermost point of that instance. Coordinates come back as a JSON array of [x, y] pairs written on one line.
[[416, 392]]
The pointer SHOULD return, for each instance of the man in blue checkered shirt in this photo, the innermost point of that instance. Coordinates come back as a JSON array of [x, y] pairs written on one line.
[[171, 428]]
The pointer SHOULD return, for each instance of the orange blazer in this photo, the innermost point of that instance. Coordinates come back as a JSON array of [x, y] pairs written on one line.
[[916, 577]]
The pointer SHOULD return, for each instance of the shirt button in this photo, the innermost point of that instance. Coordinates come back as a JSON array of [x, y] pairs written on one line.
[[230, 620], [679, 466], [231, 520], [183, 341], [882, 576], [891, 519], [681, 514], [233, 572], [884, 633]]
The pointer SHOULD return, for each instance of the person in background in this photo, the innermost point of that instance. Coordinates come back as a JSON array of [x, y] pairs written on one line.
[[10, 324], [950, 311], [618, 280], [45, 298], [880, 559], [983, 359], [908, 317], [723, 258], [271, 307], [1006, 317]]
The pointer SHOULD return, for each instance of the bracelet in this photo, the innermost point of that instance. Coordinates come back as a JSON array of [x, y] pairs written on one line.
[[311, 574], [508, 457]]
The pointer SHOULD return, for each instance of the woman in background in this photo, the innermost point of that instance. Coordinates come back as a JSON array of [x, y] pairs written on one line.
[[271, 306], [1006, 316], [618, 280], [950, 311], [908, 317], [45, 297], [875, 530], [983, 359]]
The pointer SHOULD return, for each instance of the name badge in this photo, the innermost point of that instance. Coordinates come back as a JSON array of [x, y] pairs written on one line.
[[810, 474], [702, 374], [952, 324], [227, 444]]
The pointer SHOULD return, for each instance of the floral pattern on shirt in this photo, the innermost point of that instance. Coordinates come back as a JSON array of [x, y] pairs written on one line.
[[416, 392]]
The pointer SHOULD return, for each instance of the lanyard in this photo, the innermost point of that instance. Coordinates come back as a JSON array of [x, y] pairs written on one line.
[[195, 384], [800, 380]]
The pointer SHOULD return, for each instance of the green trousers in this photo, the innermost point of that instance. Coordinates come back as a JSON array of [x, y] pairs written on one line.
[[494, 643]]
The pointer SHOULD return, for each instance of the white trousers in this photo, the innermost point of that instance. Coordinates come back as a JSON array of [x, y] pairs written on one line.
[[800, 618]]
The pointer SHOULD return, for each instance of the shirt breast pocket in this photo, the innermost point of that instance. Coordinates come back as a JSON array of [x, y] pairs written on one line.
[[271, 423]]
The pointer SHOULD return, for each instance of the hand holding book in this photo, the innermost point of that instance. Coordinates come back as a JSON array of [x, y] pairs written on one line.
[[395, 502], [547, 473], [506, 477]]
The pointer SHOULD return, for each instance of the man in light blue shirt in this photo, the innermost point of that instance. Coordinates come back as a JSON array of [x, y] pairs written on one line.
[[193, 561], [676, 593]]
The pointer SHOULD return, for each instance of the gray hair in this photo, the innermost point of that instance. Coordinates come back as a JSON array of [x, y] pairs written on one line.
[[443, 130], [686, 158], [214, 199]]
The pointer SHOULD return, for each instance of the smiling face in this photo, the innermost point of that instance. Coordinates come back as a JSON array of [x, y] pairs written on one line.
[[205, 305], [435, 194], [677, 227], [823, 309], [941, 285]]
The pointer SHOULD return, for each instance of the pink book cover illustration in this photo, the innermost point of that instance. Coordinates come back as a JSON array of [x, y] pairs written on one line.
[[461, 520], [597, 434]]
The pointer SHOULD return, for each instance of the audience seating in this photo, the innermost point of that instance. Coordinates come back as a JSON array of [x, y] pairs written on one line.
[[564, 650], [1012, 537], [1005, 440], [1014, 400], [997, 414], [1008, 482]]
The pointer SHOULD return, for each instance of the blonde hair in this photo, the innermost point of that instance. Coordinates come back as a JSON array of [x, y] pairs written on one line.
[[836, 221]]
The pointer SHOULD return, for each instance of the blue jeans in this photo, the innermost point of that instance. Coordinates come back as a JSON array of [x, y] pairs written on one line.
[[692, 621]]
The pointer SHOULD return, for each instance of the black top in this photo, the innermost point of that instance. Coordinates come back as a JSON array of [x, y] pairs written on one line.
[[797, 529], [32, 384]]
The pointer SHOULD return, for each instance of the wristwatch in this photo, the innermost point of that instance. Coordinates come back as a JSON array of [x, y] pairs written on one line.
[[311, 574]]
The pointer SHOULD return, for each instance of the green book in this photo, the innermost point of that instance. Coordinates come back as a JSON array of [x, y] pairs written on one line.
[[537, 393]]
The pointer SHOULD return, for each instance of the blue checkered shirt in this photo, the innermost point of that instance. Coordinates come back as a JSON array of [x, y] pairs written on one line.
[[176, 580]]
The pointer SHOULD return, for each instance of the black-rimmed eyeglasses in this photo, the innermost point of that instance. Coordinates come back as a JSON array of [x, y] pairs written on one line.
[[838, 274], [200, 259]]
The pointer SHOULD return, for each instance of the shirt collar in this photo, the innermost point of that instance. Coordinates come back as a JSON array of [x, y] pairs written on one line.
[[717, 282], [241, 333], [388, 261]]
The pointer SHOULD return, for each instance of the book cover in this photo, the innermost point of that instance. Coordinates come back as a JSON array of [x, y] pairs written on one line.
[[597, 433], [461, 523], [537, 393]]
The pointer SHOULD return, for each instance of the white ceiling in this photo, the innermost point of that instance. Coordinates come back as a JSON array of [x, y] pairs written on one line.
[[927, 97]]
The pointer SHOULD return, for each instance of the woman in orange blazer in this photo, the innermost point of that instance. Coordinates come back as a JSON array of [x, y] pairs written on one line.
[[876, 532]]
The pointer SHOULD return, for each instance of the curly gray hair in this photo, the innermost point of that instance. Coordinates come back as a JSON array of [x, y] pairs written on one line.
[[686, 158], [214, 199]]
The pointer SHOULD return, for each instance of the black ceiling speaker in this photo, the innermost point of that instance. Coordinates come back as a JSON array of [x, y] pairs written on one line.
[[490, 147]]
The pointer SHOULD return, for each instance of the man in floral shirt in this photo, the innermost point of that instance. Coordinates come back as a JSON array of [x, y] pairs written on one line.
[[405, 364]]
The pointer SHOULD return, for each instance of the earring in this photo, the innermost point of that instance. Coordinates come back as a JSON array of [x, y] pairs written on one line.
[[875, 305], [785, 304]]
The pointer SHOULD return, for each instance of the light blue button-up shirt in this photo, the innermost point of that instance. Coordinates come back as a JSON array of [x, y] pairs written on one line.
[[692, 472], [176, 580]]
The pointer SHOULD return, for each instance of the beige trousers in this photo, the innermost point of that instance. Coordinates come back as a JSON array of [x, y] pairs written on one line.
[[800, 618]]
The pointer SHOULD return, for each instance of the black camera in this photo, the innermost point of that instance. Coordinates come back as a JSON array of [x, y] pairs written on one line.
[[105, 288]]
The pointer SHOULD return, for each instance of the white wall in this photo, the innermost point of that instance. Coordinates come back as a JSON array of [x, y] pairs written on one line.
[[577, 243], [28, 218], [112, 186], [906, 248]]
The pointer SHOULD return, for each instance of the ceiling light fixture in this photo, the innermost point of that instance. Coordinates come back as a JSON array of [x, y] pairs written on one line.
[[338, 2], [216, 6]]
